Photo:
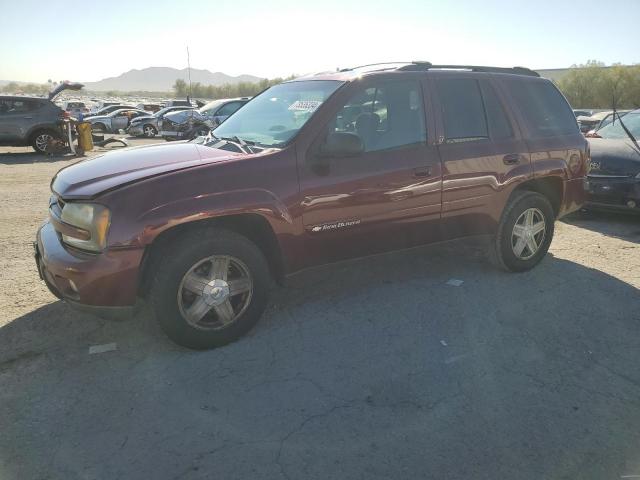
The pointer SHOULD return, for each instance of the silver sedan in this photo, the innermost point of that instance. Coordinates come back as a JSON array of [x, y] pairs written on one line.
[[115, 121]]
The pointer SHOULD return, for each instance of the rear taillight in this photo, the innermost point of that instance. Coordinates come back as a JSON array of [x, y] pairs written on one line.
[[64, 115]]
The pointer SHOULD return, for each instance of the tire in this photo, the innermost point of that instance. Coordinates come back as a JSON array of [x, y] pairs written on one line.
[[194, 259], [99, 127], [40, 140], [513, 248], [149, 131]]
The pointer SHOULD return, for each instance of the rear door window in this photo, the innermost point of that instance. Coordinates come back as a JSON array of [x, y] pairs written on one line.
[[543, 107], [462, 110], [21, 106], [499, 124]]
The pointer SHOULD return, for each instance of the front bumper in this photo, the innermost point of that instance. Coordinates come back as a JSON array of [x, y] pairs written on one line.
[[613, 192], [105, 284], [171, 133]]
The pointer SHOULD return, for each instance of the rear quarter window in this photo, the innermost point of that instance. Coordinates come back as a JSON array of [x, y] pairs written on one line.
[[545, 111]]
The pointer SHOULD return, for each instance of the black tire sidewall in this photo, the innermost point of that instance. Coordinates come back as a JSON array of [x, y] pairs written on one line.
[[515, 208], [178, 258]]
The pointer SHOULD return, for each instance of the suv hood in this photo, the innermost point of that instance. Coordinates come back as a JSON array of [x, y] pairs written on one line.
[[614, 157], [64, 86], [89, 178]]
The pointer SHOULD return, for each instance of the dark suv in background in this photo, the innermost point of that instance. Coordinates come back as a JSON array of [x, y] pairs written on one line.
[[32, 121], [312, 171]]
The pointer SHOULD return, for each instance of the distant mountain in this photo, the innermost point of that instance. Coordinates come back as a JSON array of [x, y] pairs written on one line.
[[161, 79]]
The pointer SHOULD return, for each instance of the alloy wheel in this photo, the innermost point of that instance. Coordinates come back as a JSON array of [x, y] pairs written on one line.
[[215, 292], [42, 141], [528, 233]]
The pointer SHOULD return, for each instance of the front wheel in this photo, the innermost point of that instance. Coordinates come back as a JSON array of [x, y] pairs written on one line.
[[210, 289], [43, 140], [150, 131], [525, 232]]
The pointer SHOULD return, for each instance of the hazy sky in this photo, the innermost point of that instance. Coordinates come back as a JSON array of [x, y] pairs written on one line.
[[91, 40]]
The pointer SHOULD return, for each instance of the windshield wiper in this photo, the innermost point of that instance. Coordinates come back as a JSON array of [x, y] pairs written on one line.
[[238, 142]]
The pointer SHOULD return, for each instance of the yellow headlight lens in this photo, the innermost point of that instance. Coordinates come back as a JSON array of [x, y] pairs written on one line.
[[91, 217]]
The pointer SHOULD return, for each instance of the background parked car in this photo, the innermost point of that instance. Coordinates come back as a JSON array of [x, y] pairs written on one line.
[[108, 109], [115, 121], [177, 103], [147, 126], [102, 104], [194, 123], [614, 176], [75, 109], [32, 121], [149, 107], [583, 113]]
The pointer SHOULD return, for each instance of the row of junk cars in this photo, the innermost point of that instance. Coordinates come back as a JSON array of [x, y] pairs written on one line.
[[172, 119], [614, 170], [40, 121]]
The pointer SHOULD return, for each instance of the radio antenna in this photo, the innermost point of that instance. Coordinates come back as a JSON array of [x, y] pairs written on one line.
[[189, 71]]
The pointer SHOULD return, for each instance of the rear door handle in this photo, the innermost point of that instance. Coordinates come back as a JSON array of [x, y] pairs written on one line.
[[28, 118], [511, 159], [422, 172]]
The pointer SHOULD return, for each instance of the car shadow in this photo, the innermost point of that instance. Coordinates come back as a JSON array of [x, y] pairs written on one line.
[[22, 158], [622, 225], [369, 367]]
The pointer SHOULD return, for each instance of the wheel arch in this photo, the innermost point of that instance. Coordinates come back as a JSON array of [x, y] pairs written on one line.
[[550, 187], [253, 226], [44, 127]]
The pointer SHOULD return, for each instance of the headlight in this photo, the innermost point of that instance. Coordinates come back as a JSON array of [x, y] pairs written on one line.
[[94, 219], [638, 176]]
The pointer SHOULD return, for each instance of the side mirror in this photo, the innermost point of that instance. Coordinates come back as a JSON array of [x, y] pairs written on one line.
[[341, 144]]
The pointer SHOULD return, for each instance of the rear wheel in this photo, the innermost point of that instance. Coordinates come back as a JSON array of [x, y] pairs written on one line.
[[525, 232], [42, 140], [211, 290]]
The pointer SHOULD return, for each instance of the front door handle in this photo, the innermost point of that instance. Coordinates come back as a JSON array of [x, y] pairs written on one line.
[[422, 172], [27, 118], [511, 159]]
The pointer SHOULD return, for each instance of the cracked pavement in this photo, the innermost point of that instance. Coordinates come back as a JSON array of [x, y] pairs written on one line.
[[366, 369]]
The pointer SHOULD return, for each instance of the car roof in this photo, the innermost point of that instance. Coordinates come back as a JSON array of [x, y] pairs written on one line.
[[22, 97], [349, 74]]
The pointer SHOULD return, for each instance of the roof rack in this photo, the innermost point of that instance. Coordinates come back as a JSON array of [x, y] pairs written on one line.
[[382, 65], [418, 66]]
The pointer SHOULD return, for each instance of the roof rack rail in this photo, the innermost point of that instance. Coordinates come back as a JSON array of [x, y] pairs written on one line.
[[373, 65], [424, 66]]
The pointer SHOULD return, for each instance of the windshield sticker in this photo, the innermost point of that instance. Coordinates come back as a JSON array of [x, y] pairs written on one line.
[[304, 105]]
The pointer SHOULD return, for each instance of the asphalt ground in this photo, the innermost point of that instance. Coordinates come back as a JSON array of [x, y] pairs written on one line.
[[370, 369]]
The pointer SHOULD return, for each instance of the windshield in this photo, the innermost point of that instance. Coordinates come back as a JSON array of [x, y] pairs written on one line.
[[211, 106], [609, 119], [117, 112], [272, 118], [615, 130], [164, 110]]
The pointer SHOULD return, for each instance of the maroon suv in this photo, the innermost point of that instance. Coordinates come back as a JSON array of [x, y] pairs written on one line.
[[312, 171]]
